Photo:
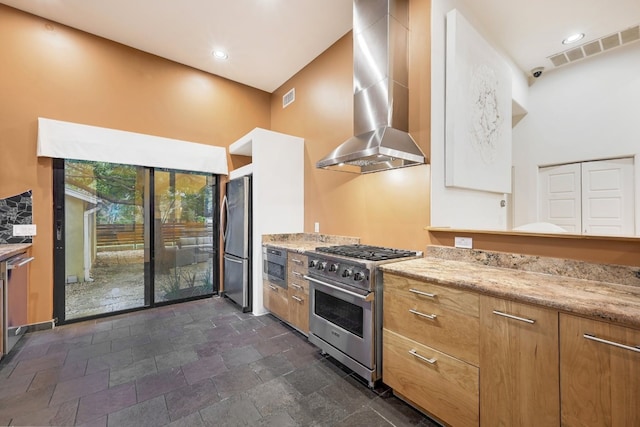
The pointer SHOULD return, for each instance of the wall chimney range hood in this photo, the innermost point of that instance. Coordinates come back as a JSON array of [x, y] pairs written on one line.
[[381, 93]]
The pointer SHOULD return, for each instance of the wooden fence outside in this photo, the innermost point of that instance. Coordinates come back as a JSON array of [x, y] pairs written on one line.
[[132, 235]]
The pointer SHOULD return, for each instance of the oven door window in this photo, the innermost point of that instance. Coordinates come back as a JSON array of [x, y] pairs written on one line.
[[275, 271], [341, 313]]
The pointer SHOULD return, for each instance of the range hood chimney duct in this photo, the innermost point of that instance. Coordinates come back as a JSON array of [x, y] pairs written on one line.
[[381, 92]]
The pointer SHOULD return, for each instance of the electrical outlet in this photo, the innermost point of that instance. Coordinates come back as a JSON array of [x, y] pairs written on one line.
[[24, 229], [316, 227], [464, 242]]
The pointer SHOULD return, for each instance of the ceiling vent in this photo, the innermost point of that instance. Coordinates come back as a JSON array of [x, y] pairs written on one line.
[[595, 47], [288, 98]]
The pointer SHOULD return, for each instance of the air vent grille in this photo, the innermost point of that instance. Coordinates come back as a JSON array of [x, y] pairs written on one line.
[[288, 98], [595, 47]]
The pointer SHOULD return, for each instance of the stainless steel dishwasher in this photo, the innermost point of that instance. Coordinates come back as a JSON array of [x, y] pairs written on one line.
[[14, 272]]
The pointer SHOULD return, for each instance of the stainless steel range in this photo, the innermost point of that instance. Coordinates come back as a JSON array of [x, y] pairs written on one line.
[[345, 313]]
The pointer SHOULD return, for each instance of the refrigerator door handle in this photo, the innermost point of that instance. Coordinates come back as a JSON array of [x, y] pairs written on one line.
[[233, 260], [224, 209]]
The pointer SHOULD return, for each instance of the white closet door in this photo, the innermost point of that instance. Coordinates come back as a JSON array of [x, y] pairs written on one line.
[[559, 196], [608, 197]]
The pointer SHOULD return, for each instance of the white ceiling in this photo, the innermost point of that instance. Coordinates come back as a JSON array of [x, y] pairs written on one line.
[[532, 30], [268, 41]]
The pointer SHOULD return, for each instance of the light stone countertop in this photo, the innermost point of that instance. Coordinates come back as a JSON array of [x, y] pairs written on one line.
[[10, 249], [590, 298], [300, 247], [302, 242]]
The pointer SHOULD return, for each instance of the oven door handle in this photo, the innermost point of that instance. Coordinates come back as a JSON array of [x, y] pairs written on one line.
[[368, 298]]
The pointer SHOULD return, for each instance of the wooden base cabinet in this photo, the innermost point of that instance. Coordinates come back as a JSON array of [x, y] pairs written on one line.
[[275, 299], [599, 373], [430, 348], [518, 364], [298, 292]]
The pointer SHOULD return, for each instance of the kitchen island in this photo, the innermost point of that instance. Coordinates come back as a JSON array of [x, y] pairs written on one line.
[[475, 344]]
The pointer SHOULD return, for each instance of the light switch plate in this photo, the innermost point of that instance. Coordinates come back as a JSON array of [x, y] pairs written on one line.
[[316, 227], [464, 242], [24, 229]]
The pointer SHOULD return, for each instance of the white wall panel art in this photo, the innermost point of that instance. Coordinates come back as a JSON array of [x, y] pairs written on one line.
[[478, 111]]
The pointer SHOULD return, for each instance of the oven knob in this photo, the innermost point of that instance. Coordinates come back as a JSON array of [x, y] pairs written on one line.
[[313, 263], [333, 267], [346, 273], [358, 276], [322, 265]]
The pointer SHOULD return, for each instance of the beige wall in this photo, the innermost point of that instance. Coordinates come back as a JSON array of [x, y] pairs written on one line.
[[389, 208], [49, 70]]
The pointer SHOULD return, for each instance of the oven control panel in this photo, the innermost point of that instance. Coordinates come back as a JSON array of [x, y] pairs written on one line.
[[340, 271]]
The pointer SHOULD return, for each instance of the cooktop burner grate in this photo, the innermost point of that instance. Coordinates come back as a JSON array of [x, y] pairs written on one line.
[[366, 252]]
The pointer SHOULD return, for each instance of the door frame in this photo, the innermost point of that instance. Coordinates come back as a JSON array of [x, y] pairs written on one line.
[[58, 223]]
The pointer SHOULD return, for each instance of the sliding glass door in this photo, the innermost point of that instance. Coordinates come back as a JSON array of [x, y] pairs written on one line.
[[128, 237], [184, 245]]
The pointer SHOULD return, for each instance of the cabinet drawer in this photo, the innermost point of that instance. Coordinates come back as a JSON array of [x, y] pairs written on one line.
[[297, 262], [432, 324], [275, 299], [442, 386], [454, 299]]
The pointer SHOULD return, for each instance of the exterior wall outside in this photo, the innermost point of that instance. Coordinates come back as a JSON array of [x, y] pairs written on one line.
[[56, 72], [74, 238]]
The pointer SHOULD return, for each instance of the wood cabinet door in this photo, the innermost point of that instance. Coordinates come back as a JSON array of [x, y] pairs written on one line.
[[299, 308], [519, 378], [599, 373], [275, 300]]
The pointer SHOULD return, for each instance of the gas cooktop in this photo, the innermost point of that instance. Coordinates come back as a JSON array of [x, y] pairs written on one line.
[[367, 252]]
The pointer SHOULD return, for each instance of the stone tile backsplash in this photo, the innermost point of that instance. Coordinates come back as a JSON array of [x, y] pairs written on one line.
[[15, 210], [620, 274]]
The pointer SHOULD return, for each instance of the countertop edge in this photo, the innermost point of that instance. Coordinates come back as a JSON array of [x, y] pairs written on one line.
[[10, 249]]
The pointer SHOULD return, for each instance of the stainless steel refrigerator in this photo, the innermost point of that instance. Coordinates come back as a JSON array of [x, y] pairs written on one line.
[[237, 242]]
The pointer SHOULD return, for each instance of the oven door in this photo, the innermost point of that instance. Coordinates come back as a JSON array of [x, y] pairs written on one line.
[[344, 318]]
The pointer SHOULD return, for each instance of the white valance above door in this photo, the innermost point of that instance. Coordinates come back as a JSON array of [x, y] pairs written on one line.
[[66, 140]]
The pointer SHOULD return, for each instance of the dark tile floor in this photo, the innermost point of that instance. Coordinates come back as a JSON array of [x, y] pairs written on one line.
[[201, 363]]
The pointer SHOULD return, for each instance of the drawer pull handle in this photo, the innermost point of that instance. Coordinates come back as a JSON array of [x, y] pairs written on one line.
[[293, 285], [424, 294], [428, 316], [273, 288], [615, 344], [511, 316], [424, 359], [297, 261], [296, 298], [295, 273]]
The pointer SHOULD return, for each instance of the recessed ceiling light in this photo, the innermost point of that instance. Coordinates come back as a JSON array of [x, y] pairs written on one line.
[[220, 54], [573, 38]]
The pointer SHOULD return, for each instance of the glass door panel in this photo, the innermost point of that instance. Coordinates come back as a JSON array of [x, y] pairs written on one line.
[[104, 238], [184, 235]]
